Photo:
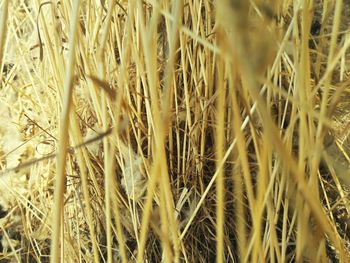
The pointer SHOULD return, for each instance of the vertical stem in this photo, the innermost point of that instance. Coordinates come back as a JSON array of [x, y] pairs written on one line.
[[3, 23], [64, 125], [220, 133]]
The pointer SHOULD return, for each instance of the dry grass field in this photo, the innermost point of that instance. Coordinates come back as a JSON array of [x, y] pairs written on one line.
[[175, 131]]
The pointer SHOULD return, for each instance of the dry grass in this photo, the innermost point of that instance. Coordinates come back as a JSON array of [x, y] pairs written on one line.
[[185, 131]]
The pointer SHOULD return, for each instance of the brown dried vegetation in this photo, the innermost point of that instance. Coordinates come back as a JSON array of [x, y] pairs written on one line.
[[185, 131]]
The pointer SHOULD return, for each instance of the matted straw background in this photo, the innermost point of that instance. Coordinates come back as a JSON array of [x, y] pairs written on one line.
[[174, 131]]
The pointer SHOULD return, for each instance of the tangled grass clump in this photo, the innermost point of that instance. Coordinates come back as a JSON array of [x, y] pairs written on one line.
[[185, 131]]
